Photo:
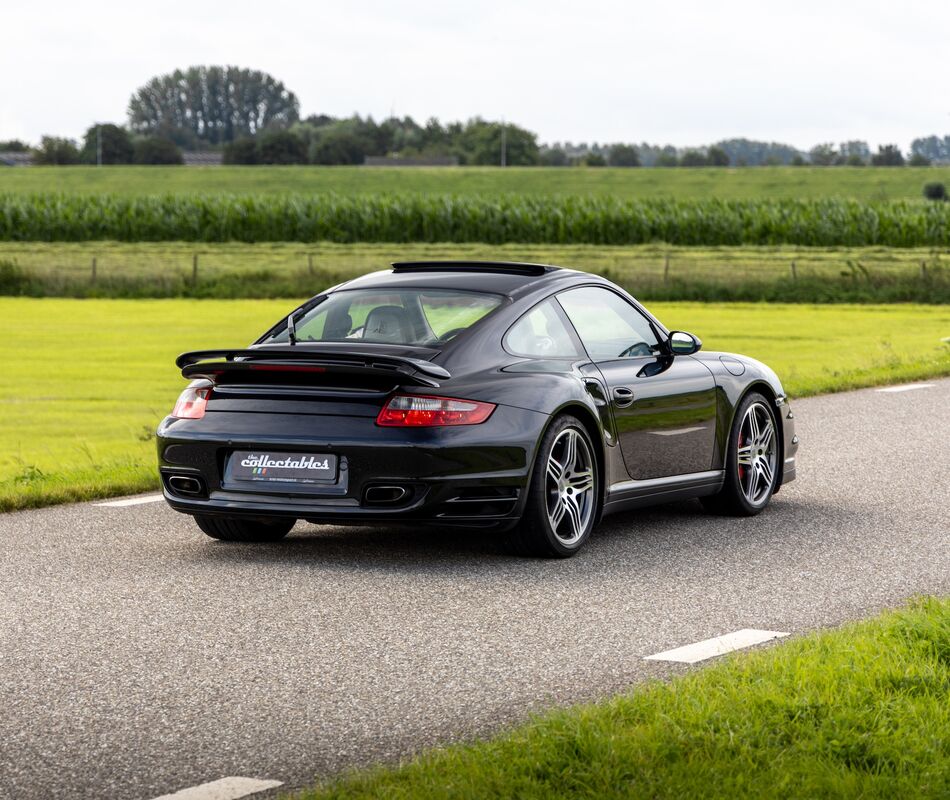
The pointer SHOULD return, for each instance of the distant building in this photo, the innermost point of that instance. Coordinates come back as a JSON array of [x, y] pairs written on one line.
[[397, 161], [15, 158], [202, 158]]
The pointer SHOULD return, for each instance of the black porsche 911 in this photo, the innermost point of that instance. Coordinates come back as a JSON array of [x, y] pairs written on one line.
[[522, 397]]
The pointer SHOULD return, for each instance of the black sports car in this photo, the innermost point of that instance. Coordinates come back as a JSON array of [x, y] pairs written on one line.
[[521, 397]]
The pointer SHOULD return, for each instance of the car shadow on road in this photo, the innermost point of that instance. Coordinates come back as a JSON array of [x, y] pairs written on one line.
[[645, 537]]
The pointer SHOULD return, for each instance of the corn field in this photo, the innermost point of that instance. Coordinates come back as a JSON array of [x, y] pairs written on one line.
[[485, 219]]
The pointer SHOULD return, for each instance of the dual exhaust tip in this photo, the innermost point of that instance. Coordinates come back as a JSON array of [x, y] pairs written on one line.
[[384, 495], [186, 485]]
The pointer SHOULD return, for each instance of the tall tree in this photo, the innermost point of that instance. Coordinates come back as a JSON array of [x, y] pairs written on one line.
[[823, 155], [935, 149], [888, 155], [211, 104], [480, 141], [623, 155], [114, 142], [717, 157], [54, 150]]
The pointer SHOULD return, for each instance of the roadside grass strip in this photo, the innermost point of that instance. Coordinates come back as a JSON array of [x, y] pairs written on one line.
[[862, 711]]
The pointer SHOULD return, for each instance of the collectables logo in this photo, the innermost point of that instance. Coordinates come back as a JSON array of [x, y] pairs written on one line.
[[265, 461]]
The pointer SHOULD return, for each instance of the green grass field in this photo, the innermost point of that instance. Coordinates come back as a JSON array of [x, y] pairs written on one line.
[[858, 712], [87, 381], [865, 183], [157, 269]]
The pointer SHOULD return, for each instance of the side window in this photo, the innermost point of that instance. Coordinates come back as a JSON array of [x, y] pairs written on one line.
[[541, 334], [608, 325]]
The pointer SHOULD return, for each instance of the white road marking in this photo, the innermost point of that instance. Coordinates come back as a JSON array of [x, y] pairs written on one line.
[[222, 789], [907, 387], [677, 432], [700, 651], [132, 501]]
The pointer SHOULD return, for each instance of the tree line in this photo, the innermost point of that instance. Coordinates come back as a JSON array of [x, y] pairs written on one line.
[[252, 118]]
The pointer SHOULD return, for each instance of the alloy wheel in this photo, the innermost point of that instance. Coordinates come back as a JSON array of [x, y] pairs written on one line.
[[570, 486], [756, 454]]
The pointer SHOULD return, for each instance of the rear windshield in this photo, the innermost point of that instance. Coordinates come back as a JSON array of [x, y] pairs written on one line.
[[420, 317]]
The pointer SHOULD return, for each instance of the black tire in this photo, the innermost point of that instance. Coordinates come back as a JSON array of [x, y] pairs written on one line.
[[236, 529], [731, 499], [535, 535]]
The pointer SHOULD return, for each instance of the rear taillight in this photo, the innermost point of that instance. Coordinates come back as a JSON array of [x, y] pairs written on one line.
[[415, 411], [193, 401]]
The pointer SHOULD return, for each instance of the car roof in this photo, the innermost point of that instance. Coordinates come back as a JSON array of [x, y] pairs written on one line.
[[511, 278]]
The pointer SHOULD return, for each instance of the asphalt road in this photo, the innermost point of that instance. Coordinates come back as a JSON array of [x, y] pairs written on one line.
[[138, 657]]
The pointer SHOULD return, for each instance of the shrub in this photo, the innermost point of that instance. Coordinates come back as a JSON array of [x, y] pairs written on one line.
[[935, 191], [156, 150], [54, 150], [717, 157], [281, 147], [693, 158], [241, 151], [624, 155]]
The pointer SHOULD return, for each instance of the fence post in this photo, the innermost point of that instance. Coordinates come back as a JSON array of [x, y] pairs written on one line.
[[194, 270], [310, 263], [666, 268], [794, 272], [923, 270], [93, 269]]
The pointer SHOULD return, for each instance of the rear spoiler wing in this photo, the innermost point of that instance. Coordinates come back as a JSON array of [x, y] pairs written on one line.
[[210, 363]]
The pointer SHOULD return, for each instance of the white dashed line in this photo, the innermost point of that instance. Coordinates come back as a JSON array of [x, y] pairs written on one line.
[[222, 789], [132, 501], [700, 651], [907, 387]]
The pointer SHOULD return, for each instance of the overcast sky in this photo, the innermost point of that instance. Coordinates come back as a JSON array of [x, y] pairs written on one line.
[[685, 73]]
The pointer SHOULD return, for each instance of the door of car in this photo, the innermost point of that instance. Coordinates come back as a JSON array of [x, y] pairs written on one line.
[[664, 406]]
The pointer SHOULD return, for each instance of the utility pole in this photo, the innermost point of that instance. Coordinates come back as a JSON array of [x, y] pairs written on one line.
[[504, 143], [98, 145]]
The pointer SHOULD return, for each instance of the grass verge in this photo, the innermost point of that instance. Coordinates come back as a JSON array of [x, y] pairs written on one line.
[[85, 382], [656, 271], [858, 712]]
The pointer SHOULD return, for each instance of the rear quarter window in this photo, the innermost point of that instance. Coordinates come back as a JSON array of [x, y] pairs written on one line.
[[541, 333]]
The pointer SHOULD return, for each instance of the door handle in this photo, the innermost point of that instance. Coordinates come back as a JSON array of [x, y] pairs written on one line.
[[623, 396]]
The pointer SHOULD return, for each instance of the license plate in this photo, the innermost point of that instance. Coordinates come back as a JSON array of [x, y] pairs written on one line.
[[264, 465]]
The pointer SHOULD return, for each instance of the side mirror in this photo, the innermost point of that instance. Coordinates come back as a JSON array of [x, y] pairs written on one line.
[[683, 343]]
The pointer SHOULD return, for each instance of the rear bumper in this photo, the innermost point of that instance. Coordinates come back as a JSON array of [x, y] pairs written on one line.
[[465, 476]]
